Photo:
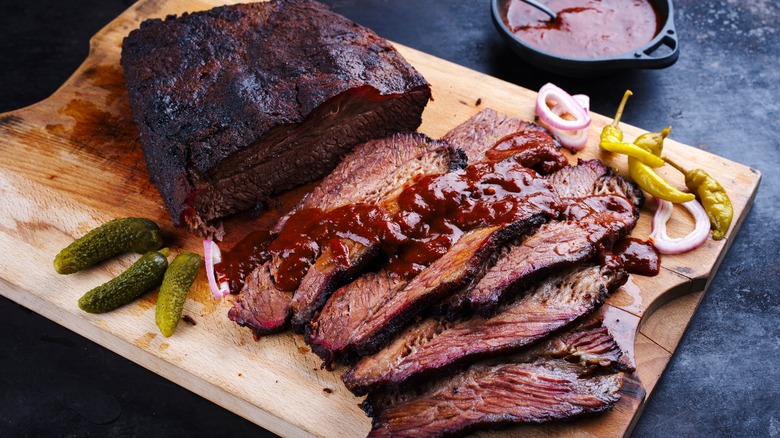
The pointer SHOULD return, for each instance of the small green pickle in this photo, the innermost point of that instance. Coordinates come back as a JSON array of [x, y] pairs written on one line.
[[108, 240], [713, 198], [177, 282], [143, 275]]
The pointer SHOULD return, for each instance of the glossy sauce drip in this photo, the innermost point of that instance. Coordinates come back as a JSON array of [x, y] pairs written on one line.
[[438, 209], [638, 257], [308, 232], [431, 215], [585, 29], [243, 258], [531, 147]]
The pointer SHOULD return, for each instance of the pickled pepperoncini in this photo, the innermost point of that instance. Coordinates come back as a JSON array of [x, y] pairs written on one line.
[[713, 198], [643, 155]]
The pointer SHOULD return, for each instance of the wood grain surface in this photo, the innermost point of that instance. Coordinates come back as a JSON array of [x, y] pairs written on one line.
[[73, 161]]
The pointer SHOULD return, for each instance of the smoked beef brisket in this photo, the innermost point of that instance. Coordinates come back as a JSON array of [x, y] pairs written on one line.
[[601, 209], [589, 225], [240, 102], [373, 173], [436, 345], [363, 316], [486, 328], [373, 186], [552, 381]]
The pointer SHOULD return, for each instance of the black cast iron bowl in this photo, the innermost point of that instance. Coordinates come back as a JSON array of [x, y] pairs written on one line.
[[661, 52]]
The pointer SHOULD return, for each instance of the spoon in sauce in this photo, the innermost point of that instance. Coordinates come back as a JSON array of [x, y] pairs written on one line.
[[543, 8]]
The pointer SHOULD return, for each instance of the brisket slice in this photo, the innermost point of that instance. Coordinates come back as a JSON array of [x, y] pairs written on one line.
[[587, 343], [579, 181], [489, 135], [555, 246], [240, 102], [551, 381], [436, 345], [362, 316], [372, 172], [481, 132], [260, 305], [499, 395], [602, 208], [368, 173], [325, 275]]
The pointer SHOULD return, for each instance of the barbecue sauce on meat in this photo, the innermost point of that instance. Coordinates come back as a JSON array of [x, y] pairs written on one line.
[[243, 258], [638, 257], [437, 209], [433, 212], [530, 147], [309, 231]]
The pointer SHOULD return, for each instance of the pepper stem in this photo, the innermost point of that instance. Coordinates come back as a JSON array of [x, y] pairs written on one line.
[[619, 112], [675, 165]]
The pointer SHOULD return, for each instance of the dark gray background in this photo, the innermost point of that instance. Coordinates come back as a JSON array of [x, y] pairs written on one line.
[[722, 96]]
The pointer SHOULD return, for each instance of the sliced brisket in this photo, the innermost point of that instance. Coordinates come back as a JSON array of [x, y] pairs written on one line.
[[261, 306], [371, 174], [243, 101], [602, 208], [554, 247], [368, 328], [548, 382], [367, 174], [498, 395], [382, 189], [362, 316], [436, 345], [588, 344]]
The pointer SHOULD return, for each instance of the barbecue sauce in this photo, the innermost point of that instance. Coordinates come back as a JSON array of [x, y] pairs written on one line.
[[437, 209], [308, 232], [430, 215], [585, 29], [243, 258], [638, 257], [529, 147]]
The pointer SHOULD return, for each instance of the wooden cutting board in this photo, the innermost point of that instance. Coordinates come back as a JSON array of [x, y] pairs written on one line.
[[73, 161]]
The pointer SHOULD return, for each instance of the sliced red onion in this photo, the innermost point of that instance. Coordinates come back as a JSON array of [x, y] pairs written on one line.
[[213, 256], [548, 94], [571, 140], [583, 100], [679, 245]]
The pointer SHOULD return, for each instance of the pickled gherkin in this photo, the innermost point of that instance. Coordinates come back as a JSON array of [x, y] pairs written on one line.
[[142, 276], [108, 240], [177, 282]]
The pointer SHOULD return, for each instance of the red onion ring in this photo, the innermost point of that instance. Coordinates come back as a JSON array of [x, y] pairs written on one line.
[[679, 245], [583, 100], [572, 140], [210, 253], [549, 93]]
